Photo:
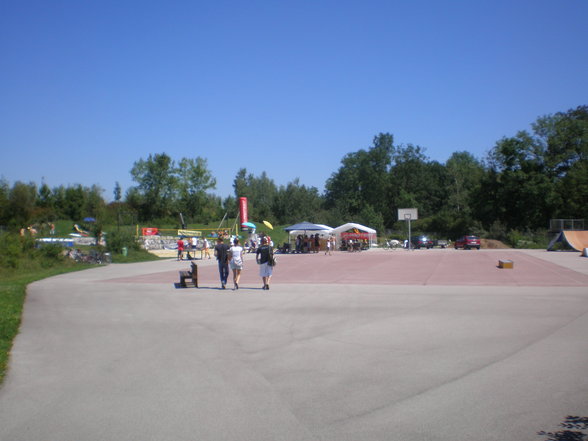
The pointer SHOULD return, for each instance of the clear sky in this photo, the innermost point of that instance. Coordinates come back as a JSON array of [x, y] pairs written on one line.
[[288, 87]]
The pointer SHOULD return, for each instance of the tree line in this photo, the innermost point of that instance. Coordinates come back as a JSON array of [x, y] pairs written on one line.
[[523, 182]]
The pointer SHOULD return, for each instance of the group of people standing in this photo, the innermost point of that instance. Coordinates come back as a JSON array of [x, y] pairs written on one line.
[[232, 256], [193, 245], [312, 244]]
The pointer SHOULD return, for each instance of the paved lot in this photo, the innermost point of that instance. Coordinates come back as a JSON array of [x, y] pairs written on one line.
[[379, 345]]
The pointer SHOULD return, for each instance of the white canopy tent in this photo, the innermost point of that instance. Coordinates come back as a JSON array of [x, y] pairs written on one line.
[[305, 229], [369, 233], [323, 232]]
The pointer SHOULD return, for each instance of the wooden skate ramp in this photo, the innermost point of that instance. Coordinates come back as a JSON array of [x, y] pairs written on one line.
[[578, 240]]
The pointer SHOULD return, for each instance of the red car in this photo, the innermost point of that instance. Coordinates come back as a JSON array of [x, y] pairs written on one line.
[[467, 242]]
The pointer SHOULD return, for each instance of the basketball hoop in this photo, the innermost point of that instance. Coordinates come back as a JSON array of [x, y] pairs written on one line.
[[408, 214]]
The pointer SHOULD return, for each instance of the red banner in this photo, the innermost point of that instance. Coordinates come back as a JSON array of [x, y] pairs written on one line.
[[243, 212], [149, 231]]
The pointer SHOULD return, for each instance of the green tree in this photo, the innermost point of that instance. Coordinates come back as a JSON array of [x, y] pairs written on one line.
[[45, 197], [260, 193], [157, 186], [94, 204], [117, 192], [295, 202], [21, 204], [464, 174], [194, 180], [519, 186], [4, 202], [564, 139], [74, 202], [362, 180], [416, 182], [572, 190]]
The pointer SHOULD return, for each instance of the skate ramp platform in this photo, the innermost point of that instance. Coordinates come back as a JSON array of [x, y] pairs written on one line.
[[577, 239]]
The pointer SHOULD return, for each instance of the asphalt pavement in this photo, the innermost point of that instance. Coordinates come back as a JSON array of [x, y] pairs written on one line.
[[425, 345]]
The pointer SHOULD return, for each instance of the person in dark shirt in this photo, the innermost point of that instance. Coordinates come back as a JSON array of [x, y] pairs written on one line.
[[221, 252], [263, 255]]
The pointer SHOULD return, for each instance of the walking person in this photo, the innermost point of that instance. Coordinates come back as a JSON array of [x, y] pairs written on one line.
[[263, 257], [221, 252], [236, 262]]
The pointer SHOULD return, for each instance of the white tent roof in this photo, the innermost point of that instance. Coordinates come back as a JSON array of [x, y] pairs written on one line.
[[349, 226], [325, 230], [325, 227]]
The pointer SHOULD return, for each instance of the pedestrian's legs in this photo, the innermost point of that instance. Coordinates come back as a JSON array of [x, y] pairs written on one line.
[[225, 275], [223, 271], [236, 277]]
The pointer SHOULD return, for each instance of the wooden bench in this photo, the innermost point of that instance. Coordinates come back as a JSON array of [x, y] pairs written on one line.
[[191, 274]]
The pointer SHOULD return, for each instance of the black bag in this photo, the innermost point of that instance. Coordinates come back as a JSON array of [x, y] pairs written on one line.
[[272, 260]]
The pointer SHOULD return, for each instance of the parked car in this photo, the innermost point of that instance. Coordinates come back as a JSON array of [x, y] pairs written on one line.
[[467, 242], [421, 242], [441, 243]]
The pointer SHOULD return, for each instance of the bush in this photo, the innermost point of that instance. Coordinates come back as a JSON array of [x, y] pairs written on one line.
[[529, 239], [10, 250], [50, 251], [117, 240]]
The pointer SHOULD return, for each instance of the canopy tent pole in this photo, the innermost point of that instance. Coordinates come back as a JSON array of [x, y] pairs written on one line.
[[222, 220], [236, 224]]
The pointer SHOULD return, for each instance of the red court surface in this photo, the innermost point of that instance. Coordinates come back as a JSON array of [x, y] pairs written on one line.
[[379, 267]]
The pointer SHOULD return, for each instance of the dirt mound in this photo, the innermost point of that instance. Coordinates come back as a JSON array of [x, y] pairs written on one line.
[[492, 244]]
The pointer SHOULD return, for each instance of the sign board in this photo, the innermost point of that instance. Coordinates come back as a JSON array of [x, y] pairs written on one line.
[[191, 233], [408, 214]]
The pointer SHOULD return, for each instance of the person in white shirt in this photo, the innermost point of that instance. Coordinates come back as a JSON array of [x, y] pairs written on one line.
[[236, 261]]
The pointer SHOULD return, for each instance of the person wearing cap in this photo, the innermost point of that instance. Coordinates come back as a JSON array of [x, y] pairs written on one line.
[[221, 252], [262, 257]]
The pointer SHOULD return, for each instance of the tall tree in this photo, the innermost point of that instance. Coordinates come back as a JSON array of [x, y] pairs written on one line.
[[362, 180], [295, 202], [4, 202], [464, 173], [194, 180], [21, 204], [74, 202], [259, 191], [94, 204], [117, 192], [564, 138], [519, 187], [157, 185], [416, 180]]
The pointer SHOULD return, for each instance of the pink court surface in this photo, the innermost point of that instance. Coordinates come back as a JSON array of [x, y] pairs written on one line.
[[446, 267]]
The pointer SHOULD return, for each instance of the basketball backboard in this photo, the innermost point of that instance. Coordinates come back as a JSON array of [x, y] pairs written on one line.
[[408, 214]]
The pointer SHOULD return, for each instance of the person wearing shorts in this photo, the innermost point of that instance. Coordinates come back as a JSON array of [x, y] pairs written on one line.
[[236, 262], [263, 257]]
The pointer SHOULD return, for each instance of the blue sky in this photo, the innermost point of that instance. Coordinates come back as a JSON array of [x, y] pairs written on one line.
[[87, 88]]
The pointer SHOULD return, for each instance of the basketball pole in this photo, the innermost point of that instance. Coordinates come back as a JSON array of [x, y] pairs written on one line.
[[407, 217]]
